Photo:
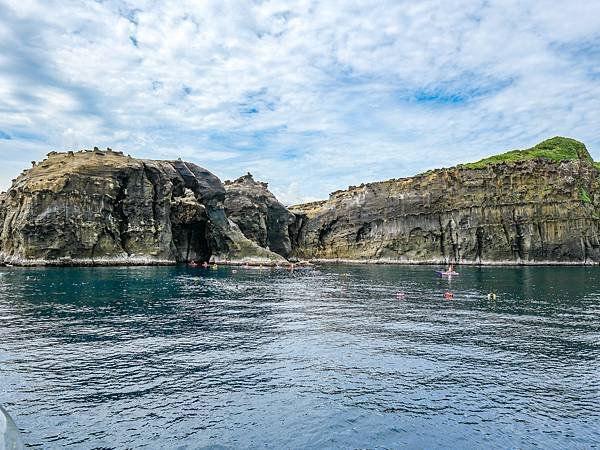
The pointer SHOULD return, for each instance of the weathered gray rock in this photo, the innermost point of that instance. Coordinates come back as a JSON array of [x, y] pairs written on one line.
[[96, 207], [2, 207], [101, 207], [502, 210], [259, 215]]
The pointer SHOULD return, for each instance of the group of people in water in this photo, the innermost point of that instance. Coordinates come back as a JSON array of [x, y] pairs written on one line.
[[449, 272], [448, 295], [204, 264], [214, 266]]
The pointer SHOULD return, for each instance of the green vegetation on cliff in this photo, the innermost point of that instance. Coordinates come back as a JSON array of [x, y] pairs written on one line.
[[585, 197], [554, 149]]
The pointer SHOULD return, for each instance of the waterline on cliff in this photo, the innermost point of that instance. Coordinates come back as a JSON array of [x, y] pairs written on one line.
[[429, 262]]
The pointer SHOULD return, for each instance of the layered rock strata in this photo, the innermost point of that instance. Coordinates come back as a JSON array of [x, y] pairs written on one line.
[[533, 210], [535, 206]]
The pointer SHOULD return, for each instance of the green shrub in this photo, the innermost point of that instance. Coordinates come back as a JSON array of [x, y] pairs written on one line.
[[585, 197], [555, 149]]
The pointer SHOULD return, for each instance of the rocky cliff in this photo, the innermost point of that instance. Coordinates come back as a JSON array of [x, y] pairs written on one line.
[[539, 205], [259, 215], [102, 207]]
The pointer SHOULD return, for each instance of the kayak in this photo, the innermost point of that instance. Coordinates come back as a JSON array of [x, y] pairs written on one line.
[[444, 273]]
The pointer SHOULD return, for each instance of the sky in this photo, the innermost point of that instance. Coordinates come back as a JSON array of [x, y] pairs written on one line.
[[309, 96]]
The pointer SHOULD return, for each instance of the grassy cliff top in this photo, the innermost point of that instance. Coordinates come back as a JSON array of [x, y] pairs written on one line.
[[554, 149]]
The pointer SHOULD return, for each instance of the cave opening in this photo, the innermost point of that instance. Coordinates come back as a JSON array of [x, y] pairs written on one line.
[[191, 242]]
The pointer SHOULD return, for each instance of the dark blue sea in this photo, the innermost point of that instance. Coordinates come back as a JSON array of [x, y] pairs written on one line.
[[325, 357]]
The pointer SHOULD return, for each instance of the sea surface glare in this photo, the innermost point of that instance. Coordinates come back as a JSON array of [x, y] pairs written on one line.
[[328, 357]]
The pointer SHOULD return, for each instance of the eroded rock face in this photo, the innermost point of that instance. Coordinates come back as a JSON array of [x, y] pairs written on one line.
[[189, 223], [258, 214], [2, 207], [101, 207], [96, 207], [516, 212]]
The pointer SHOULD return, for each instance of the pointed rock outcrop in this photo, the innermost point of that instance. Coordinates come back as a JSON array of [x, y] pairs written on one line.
[[258, 214]]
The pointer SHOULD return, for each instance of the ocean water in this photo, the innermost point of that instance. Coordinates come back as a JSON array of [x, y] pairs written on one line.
[[327, 357]]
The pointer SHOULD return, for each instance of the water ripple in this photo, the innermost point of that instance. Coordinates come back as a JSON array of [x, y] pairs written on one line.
[[174, 357]]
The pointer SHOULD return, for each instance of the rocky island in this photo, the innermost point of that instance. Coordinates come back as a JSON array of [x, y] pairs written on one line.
[[102, 207], [93, 207]]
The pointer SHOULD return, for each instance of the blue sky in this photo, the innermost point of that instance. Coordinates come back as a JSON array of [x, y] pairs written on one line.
[[310, 96]]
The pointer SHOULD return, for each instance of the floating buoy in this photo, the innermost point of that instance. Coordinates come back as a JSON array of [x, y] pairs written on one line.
[[491, 296], [448, 295], [234, 271]]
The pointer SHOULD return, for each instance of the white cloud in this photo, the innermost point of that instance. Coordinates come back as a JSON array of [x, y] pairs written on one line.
[[308, 95]]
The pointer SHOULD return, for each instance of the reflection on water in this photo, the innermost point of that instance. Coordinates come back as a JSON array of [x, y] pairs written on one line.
[[324, 357]]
